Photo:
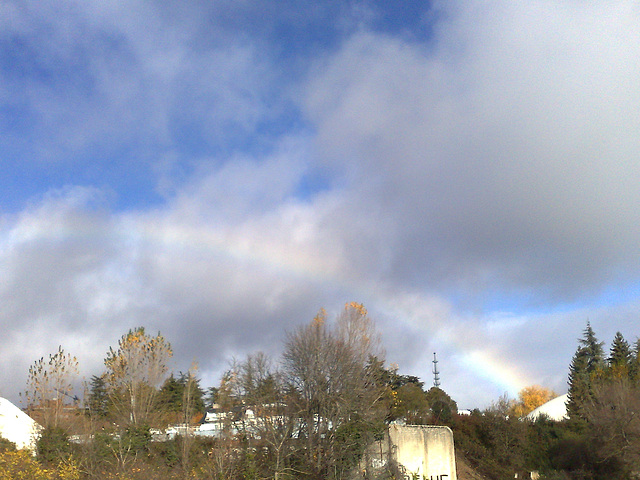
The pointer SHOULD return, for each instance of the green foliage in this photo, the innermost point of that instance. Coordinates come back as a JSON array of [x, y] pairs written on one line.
[[620, 357], [170, 395], [211, 397], [579, 384], [410, 403], [53, 445], [136, 438], [98, 403], [593, 349], [587, 364], [443, 407]]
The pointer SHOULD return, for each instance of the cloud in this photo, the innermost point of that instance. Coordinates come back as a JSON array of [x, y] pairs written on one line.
[[475, 187], [98, 92], [504, 151]]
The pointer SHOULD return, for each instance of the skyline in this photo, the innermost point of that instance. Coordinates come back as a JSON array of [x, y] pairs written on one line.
[[220, 171]]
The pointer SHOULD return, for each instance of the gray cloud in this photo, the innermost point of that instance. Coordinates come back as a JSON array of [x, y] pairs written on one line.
[[505, 153], [496, 160]]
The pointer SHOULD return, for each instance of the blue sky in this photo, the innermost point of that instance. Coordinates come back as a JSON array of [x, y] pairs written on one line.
[[221, 170]]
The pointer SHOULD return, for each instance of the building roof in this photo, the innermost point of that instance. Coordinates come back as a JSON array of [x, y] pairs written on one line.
[[16, 426], [555, 409]]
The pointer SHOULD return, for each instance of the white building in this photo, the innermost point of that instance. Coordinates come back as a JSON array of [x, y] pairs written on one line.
[[17, 427], [555, 409]]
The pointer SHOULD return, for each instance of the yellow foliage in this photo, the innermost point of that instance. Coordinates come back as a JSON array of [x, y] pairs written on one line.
[[20, 465], [531, 398], [320, 319], [358, 307]]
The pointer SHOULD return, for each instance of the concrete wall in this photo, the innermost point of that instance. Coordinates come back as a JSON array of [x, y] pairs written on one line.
[[425, 451]]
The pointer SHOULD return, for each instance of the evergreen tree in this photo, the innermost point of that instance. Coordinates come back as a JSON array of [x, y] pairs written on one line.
[[211, 397], [620, 357], [98, 398], [593, 350], [587, 363], [196, 394], [170, 395], [579, 383], [442, 406]]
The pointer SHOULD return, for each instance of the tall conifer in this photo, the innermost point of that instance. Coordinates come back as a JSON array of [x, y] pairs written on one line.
[[593, 349], [587, 362], [620, 357]]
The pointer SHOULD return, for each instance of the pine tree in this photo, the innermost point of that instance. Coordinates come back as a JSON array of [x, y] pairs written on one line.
[[587, 363], [170, 395], [211, 397], [579, 383], [620, 357], [195, 393], [593, 350], [98, 398]]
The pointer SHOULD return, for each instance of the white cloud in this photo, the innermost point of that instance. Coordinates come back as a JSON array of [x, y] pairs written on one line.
[[496, 160], [504, 153]]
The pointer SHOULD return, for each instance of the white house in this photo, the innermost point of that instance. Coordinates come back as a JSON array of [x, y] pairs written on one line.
[[17, 427]]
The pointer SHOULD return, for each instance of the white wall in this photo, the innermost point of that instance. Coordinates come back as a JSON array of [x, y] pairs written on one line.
[[425, 451]]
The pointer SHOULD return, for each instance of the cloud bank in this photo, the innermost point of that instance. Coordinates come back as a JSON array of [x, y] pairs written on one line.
[[471, 178]]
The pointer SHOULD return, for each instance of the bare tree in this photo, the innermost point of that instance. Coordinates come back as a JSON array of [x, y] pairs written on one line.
[[336, 395], [269, 418], [189, 395], [613, 415], [49, 385]]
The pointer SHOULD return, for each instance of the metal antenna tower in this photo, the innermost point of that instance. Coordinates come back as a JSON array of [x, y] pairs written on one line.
[[436, 373]]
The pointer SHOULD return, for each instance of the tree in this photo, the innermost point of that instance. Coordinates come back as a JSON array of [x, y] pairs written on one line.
[[620, 357], [442, 406], [49, 385], [170, 395], [579, 384], [586, 365], [134, 372], [593, 350], [210, 398], [410, 403], [326, 370], [98, 403], [614, 425], [191, 402], [530, 398], [178, 394], [270, 419]]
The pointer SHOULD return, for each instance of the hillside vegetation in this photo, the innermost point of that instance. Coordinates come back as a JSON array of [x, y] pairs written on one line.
[[312, 413]]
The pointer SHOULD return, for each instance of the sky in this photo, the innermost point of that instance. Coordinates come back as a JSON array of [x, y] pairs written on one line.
[[219, 171]]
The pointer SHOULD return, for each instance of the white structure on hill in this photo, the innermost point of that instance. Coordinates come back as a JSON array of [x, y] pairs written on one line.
[[555, 409], [16, 426]]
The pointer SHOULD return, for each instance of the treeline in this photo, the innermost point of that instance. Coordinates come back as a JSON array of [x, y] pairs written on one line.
[[600, 439], [310, 414], [313, 413]]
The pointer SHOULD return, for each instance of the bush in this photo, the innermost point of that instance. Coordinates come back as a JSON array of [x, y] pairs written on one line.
[[19, 464], [7, 445], [53, 446]]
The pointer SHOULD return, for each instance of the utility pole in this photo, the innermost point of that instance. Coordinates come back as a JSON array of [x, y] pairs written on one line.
[[436, 373]]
